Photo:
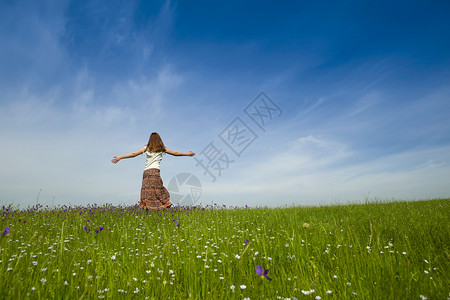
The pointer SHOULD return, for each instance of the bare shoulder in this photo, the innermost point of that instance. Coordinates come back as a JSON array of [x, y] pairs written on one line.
[[142, 150], [168, 151]]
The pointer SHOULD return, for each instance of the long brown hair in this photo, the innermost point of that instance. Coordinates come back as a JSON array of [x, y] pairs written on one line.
[[155, 143]]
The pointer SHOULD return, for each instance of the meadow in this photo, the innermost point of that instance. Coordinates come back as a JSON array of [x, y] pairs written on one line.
[[378, 250]]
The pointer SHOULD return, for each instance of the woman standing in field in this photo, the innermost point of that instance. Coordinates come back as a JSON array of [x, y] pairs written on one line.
[[153, 193]]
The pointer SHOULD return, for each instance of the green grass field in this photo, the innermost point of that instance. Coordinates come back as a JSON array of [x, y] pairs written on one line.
[[395, 250]]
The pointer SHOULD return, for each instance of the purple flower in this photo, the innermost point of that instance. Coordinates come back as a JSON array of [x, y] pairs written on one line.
[[86, 229], [101, 228], [7, 230], [263, 273], [246, 241], [96, 231]]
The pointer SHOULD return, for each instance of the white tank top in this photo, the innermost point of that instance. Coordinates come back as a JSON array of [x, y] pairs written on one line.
[[153, 160]]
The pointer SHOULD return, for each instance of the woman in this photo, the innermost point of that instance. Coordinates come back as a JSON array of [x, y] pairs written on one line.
[[153, 193]]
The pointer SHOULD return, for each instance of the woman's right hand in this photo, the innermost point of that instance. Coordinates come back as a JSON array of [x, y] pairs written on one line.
[[190, 153], [115, 160]]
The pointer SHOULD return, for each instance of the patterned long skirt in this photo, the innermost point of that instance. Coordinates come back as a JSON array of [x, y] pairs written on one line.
[[153, 193]]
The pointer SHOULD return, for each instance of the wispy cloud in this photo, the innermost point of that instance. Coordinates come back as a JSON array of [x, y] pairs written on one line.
[[364, 114]]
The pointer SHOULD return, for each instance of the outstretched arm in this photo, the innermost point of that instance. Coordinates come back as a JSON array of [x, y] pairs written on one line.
[[116, 159], [175, 153]]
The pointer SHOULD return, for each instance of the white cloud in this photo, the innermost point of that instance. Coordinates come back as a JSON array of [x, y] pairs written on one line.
[[314, 176]]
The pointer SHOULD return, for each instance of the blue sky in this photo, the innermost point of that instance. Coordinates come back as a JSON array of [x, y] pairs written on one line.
[[364, 90]]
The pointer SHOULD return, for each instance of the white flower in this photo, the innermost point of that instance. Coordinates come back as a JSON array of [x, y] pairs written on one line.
[[243, 287], [43, 280], [237, 256], [318, 297], [328, 292], [232, 287], [113, 257], [287, 245]]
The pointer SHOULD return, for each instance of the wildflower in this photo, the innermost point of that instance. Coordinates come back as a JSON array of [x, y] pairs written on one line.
[[246, 241], [43, 280], [113, 257], [243, 287], [232, 287], [305, 225], [308, 292], [263, 273], [6, 231], [101, 228], [237, 256], [328, 292], [318, 297]]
